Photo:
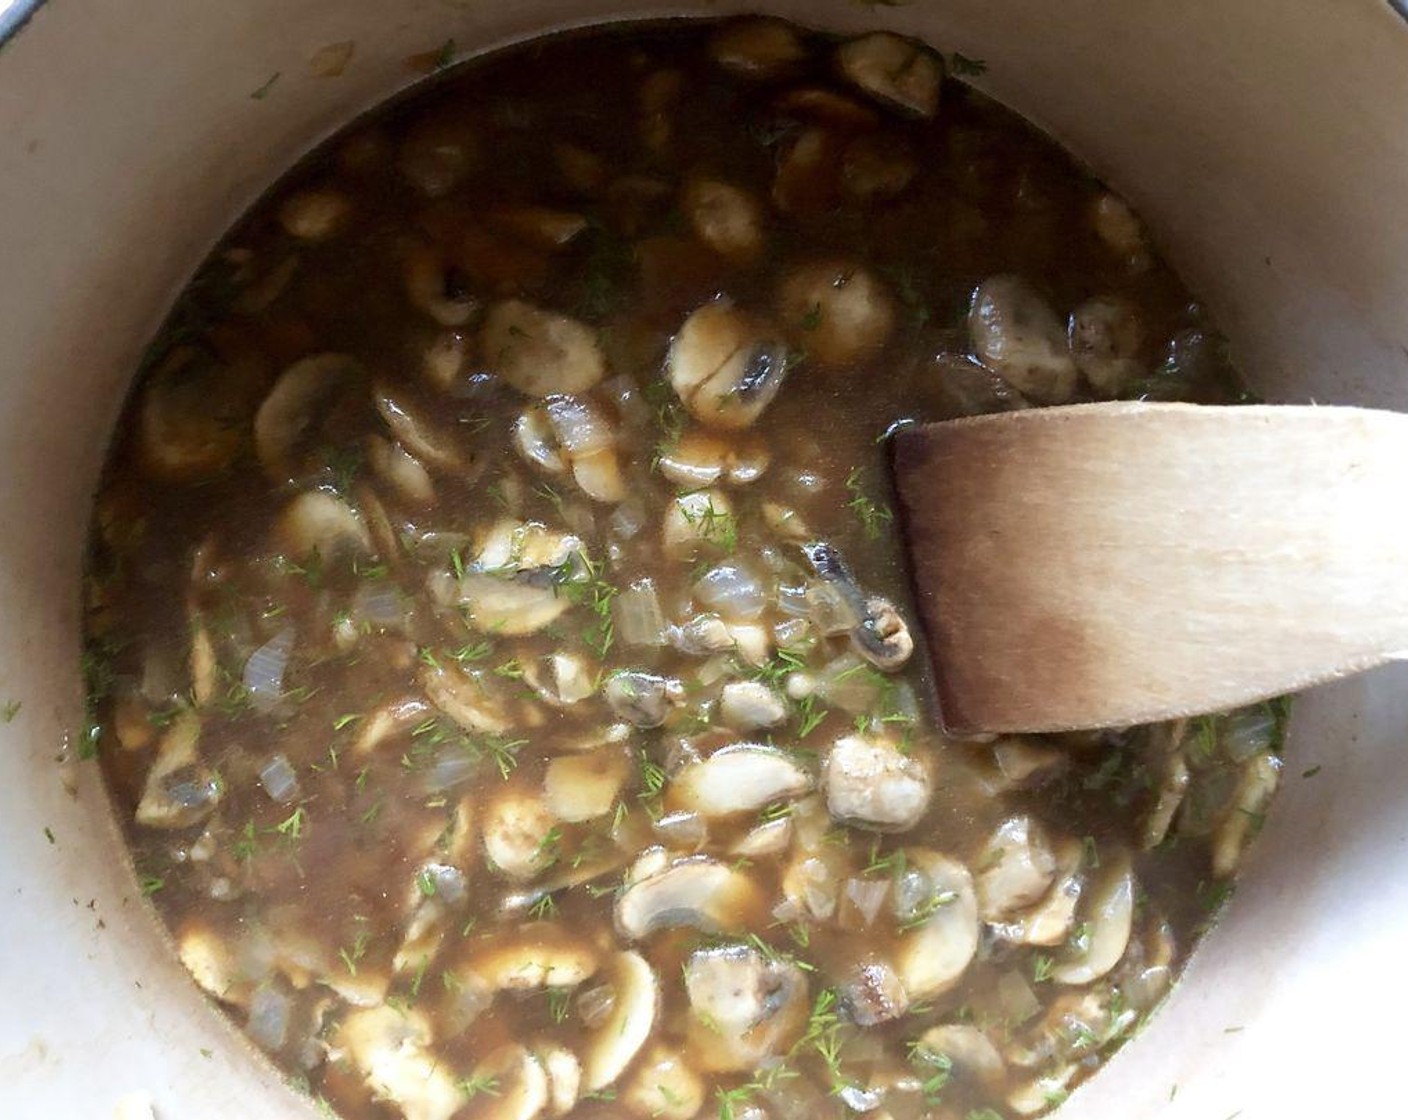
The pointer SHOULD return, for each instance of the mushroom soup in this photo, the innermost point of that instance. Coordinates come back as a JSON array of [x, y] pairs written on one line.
[[499, 652]]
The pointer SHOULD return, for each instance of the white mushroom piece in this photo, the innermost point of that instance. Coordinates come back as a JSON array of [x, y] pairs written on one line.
[[510, 587], [899, 72], [872, 993], [582, 787], [751, 705], [663, 1086], [698, 459], [726, 366], [966, 1051], [741, 778], [391, 1049], [432, 443], [1050, 920], [286, 424], [186, 430], [540, 352], [695, 892], [531, 957], [935, 903], [1120, 229], [318, 523], [1015, 868], [519, 1080], [726, 218], [640, 698], [1014, 332], [878, 631], [614, 1043], [401, 471], [561, 679], [1256, 784], [566, 432], [315, 215], [1107, 912], [699, 518], [180, 790], [564, 1073], [439, 288], [758, 48], [1106, 339], [870, 783], [517, 827], [744, 1006], [839, 312]]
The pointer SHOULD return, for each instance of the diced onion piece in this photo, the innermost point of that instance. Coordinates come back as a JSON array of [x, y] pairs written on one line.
[[639, 619], [279, 780]]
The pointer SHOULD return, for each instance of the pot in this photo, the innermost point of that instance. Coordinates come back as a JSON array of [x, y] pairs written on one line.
[[1267, 148]]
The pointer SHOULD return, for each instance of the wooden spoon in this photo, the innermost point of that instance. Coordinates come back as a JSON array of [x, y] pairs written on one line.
[[1109, 564]]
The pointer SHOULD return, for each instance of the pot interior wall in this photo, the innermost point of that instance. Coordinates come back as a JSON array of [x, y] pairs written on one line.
[[1271, 169]]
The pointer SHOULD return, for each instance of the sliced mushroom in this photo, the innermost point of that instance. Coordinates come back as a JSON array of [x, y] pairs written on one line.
[[1016, 334], [540, 352], [758, 48], [770, 838], [745, 1006], [1050, 921], [663, 1086], [741, 778], [297, 402], [180, 790], [444, 360], [873, 993], [899, 72], [187, 431], [518, 834], [315, 215], [511, 587], [582, 787], [391, 1049], [540, 226], [564, 1073], [870, 783], [1108, 907], [935, 897], [212, 963], [726, 365], [1120, 229], [700, 518], [438, 153], [561, 679], [533, 956], [1256, 783], [613, 1044], [536, 442], [402, 471], [471, 698], [1015, 868], [520, 1084], [698, 459], [839, 312], [388, 721], [726, 218], [322, 524], [641, 698], [438, 287], [970, 1053], [1106, 338], [1173, 787], [882, 636], [437, 890], [1026, 763], [588, 441], [806, 182], [877, 166], [1036, 1095], [695, 892], [750, 705], [702, 635]]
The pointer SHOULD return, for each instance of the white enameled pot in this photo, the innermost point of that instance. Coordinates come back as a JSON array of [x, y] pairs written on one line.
[[1266, 145]]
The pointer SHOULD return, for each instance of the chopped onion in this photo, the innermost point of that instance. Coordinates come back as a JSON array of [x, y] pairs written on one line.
[[715, 669], [639, 620], [596, 1004], [847, 683], [268, 1017], [831, 610], [682, 830], [380, 603], [279, 780], [1247, 732], [858, 1099], [867, 896], [1019, 1002], [790, 633], [627, 520], [264, 671], [792, 600], [623, 393], [733, 591], [580, 426]]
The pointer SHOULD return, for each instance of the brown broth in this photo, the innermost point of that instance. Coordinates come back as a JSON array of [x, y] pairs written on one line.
[[301, 904]]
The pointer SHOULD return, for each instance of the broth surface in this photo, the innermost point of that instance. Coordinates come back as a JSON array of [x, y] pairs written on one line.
[[498, 646]]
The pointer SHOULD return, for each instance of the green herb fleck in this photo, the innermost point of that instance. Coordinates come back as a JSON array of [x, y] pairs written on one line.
[[263, 91], [873, 517]]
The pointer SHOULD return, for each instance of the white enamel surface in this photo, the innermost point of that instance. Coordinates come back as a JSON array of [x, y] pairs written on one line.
[[1267, 145]]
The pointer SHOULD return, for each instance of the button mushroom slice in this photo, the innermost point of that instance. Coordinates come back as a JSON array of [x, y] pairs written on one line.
[[180, 790], [540, 352], [561, 679], [518, 834], [1174, 780], [695, 892], [391, 1049], [750, 705], [770, 838], [826, 107], [896, 71], [436, 891], [1025, 763], [882, 637], [839, 311], [726, 366], [533, 956], [299, 400], [388, 721], [213, 963], [726, 218], [520, 1084], [1106, 340], [1051, 920], [702, 635], [1256, 785], [1108, 908], [512, 585], [663, 1086], [471, 699], [582, 787], [444, 359], [698, 519], [613, 1045], [758, 48], [642, 699], [1016, 334], [420, 435], [540, 226], [700, 458], [186, 430], [1036, 1095], [878, 631], [1015, 868], [741, 778], [873, 993], [437, 153], [806, 183], [969, 1052], [588, 440], [870, 783], [536, 442], [1120, 229], [744, 1006], [564, 1076], [936, 892], [438, 287], [877, 166], [315, 215], [402, 471], [317, 523]]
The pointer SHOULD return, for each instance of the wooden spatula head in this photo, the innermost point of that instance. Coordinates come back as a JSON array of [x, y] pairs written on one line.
[[1103, 565]]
